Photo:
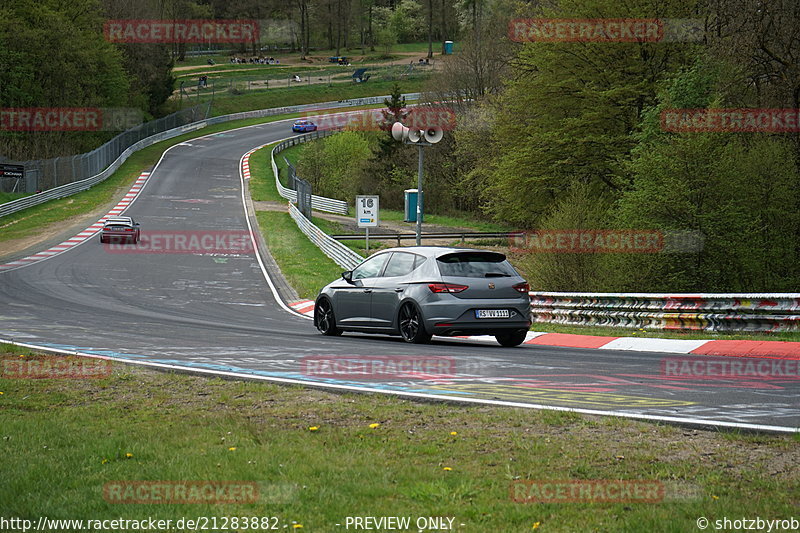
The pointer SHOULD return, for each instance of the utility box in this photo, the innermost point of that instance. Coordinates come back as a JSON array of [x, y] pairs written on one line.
[[411, 196], [448, 47]]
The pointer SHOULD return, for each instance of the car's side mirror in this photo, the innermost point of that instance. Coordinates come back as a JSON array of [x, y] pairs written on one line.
[[348, 276]]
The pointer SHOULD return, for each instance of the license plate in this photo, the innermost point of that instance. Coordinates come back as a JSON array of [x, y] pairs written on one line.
[[492, 313]]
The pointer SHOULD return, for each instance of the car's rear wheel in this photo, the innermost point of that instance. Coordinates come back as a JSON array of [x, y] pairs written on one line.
[[412, 329], [324, 318], [512, 338]]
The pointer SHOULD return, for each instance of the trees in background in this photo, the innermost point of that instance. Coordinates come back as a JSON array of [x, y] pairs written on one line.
[[570, 138]]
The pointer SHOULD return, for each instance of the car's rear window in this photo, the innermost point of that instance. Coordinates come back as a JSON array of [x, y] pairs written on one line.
[[475, 265]]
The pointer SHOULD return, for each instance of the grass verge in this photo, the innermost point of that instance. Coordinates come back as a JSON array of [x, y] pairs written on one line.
[[305, 95], [305, 267], [262, 181], [371, 455]]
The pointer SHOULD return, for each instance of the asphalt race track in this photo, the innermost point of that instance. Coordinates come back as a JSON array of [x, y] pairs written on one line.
[[216, 312]]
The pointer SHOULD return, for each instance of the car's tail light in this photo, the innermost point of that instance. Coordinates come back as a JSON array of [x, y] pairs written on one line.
[[128, 229], [523, 287], [447, 287]]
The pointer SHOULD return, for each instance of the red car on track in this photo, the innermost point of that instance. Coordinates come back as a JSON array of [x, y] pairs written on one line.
[[120, 229]]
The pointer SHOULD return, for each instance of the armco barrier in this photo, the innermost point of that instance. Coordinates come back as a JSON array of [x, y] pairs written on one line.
[[77, 186], [692, 312], [320, 203], [339, 253]]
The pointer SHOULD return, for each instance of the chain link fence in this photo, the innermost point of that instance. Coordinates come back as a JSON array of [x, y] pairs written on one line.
[[44, 174]]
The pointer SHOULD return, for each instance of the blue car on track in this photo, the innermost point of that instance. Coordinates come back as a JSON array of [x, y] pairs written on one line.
[[303, 126]]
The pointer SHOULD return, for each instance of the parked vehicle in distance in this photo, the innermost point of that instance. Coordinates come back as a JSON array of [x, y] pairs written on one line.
[[424, 291], [119, 230], [303, 126]]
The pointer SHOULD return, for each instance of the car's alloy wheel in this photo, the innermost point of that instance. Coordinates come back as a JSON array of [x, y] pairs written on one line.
[[324, 319], [411, 327], [511, 339]]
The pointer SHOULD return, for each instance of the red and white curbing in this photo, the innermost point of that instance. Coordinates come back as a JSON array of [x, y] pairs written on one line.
[[246, 163], [85, 234], [730, 348], [304, 307]]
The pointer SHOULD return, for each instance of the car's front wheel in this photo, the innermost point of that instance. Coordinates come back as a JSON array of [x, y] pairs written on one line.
[[324, 318], [412, 329], [512, 338]]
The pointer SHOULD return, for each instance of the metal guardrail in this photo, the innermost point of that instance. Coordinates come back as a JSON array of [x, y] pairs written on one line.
[[81, 185], [463, 235], [687, 312], [46, 174], [77, 186], [320, 203], [339, 253]]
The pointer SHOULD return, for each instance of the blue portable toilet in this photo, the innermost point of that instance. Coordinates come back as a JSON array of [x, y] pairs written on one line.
[[448, 47], [411, 205]]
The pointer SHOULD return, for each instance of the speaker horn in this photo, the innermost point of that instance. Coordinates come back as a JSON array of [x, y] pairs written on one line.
[[415, 136], [399, 132], [433, 134]]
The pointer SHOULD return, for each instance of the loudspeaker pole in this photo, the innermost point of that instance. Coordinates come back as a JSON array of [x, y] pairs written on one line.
[[419, 193]]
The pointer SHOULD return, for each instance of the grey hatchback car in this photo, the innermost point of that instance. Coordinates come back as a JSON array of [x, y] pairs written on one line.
[[424, 291]]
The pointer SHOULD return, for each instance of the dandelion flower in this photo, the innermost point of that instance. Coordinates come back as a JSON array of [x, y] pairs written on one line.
[[374, 426], [536, 525], [454, 433], [298, 526], [447, 468], [232, 449], [313, 428], [104, 461], [128, 455]]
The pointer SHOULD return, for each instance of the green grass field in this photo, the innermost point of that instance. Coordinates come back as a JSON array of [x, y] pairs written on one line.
[[279, 97], [370, 455]]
